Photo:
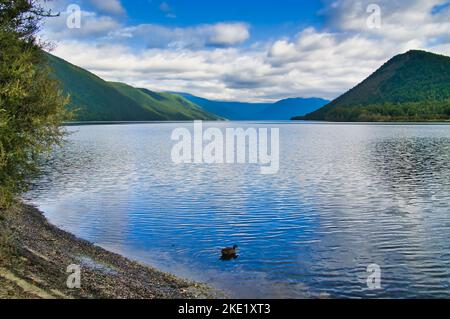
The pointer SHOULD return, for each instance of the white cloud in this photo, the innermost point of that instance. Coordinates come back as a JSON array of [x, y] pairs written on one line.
[[283, 49], [212, 35], [93, 26], [228, 34], [108, 6], [206, 60], [348, 50], [400, 20]]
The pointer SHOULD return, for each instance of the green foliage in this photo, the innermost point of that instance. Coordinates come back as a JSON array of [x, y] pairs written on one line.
[[31, 103], [166, 106], [390, 112], [94, 99], [410, 87]]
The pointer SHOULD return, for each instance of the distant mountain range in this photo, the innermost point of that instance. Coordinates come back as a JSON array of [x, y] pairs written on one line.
[[94, 99], [241, 111], [414, 86]]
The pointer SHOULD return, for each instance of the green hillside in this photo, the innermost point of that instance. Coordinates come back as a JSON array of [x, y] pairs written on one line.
[[414, 86], [167, 106], [94, 99]]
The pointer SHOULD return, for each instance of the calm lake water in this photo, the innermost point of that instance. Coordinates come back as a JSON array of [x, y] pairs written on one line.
[[346, 196]]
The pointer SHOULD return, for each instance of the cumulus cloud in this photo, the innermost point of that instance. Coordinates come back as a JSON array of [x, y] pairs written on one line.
[[108, 6], [212, 60], [349, 48], [205, 72], [227, 34], [400, 20], [101, 7], [92, 26], [210, 35]]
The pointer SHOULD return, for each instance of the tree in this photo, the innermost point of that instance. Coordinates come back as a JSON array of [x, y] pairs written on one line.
[[31, 101]]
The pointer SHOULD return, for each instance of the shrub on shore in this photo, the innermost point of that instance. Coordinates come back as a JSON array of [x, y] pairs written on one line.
[[31, 101]]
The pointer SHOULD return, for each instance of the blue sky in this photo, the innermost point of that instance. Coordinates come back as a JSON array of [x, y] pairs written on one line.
[[246, 50], [258, 13], [267, 18]]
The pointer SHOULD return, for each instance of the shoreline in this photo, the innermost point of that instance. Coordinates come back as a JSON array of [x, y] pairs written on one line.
[[34, 256], [292, 122]]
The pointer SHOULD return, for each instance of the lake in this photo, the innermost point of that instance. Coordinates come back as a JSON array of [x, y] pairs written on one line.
[[345, 197]]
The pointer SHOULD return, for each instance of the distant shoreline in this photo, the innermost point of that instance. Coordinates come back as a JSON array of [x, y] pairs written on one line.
[[258, 121], [123, 122], [35, 256]]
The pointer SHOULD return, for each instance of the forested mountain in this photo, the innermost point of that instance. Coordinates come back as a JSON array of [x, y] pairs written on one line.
[[414, 86], [94, 99]]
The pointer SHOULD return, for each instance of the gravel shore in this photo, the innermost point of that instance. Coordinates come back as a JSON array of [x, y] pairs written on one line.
[[35, 255]]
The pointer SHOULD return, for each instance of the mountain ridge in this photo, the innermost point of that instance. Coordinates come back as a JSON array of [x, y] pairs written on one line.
[[240, 111], [95, 100], [413, 86]]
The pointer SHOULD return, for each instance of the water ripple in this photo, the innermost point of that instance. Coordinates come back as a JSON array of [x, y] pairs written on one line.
[[346, 196]]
